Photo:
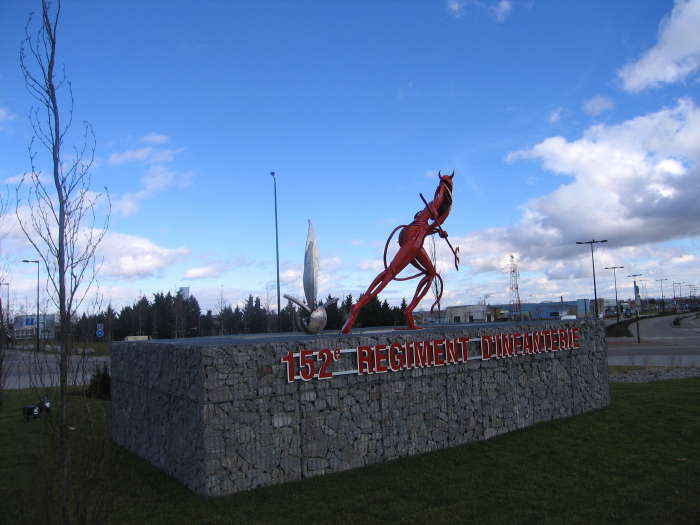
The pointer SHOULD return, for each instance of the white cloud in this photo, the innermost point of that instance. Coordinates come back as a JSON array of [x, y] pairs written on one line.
[[374, 265], [455, 8], [633, 183], [502, 9], [157, 179], [5, 114], [555, 115], [597, 105], [676, 54], [203, 272], [130, 156], [215, 269], [154, 138], [683, 259], [133, 256], [148, 155], [16, 179]]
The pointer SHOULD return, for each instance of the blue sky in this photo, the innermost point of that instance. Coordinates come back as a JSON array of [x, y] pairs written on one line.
[[563, 121]]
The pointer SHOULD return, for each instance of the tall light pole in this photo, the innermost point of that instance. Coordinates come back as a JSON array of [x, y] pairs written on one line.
[[595, 291], [636, 293], [277, 249], [37, 299], [663, 304], [617, 306]]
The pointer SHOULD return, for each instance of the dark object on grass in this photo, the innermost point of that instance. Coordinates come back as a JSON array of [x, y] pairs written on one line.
[[100, 384], [43, 407]]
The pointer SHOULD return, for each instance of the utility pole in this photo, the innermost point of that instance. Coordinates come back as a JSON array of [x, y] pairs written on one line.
[[595, 291], [636, 294], [617, 305], [277, 248], [663, 304], [37, 299]]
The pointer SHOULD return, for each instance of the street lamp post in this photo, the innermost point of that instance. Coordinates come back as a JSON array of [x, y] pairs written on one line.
[[277, 250], [636, 293], [663, 303], [617, 306], [595, 291], [37, 299]]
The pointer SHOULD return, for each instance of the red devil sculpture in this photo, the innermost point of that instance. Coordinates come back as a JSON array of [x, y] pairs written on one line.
[[426, 222]]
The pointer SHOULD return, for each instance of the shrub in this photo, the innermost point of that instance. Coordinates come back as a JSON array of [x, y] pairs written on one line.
[[100, 384]]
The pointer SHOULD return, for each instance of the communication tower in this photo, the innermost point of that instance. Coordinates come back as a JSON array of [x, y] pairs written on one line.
[[515, 306]]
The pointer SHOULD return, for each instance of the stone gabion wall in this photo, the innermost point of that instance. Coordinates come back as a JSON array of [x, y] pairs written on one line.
[[221, 417]]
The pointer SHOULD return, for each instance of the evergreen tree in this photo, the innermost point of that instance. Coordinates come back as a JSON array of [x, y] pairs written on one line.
[[237, 321], [347, 304], [335, 317]]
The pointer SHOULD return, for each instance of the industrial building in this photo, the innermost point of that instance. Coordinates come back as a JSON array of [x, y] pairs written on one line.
[[489, 313]]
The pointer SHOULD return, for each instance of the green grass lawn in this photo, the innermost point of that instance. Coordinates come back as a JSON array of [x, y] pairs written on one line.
[[637, 461]]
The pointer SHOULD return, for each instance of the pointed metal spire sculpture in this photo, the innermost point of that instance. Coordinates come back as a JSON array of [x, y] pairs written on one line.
[[313, 316], [311, 268]]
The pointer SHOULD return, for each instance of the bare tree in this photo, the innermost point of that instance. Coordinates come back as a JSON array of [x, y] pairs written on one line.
[[60, 217]]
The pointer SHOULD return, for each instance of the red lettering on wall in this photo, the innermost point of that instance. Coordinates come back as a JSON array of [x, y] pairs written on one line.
[[527, 343], [438, 355], [380, 359], [507, 344], [307, 365], [563, 339], [364, 360], [575, 337], [486, 347], [451, 351], [409, 355], [518, 340], [326, 358], [421, 354], [554, 337], [397, 359], [537, 340]]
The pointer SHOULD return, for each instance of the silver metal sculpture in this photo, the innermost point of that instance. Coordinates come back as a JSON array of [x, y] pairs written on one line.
[[313, 316]]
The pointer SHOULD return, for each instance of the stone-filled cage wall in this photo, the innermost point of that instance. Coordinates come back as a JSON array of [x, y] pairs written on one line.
[[220, 415]]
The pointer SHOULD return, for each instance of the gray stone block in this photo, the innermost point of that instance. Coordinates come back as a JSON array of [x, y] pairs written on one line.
[[219, 415]]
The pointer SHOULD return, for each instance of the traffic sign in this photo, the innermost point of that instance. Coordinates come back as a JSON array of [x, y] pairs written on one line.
[[99, 332]]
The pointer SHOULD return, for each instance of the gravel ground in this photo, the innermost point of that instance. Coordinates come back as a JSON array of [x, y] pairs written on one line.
[[654, 373]]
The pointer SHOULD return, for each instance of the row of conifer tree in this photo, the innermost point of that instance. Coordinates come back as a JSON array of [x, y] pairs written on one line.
[[168, 316]]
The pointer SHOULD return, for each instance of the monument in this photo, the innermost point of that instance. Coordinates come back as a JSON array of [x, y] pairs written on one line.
[[228, 414], [312, 315], [411, 252]]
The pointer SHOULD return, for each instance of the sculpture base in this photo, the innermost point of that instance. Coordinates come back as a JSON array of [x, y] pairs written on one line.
[[227, 414]]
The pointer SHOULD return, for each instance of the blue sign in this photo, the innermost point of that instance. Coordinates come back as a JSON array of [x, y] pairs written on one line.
[[100, 333], [28, 321]]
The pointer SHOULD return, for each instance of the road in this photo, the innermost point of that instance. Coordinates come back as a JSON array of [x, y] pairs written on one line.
[[29, 369], [663, 344]]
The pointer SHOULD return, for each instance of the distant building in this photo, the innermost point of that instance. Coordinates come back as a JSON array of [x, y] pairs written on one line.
[[475, 313], [480, 313], [25, 326]]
